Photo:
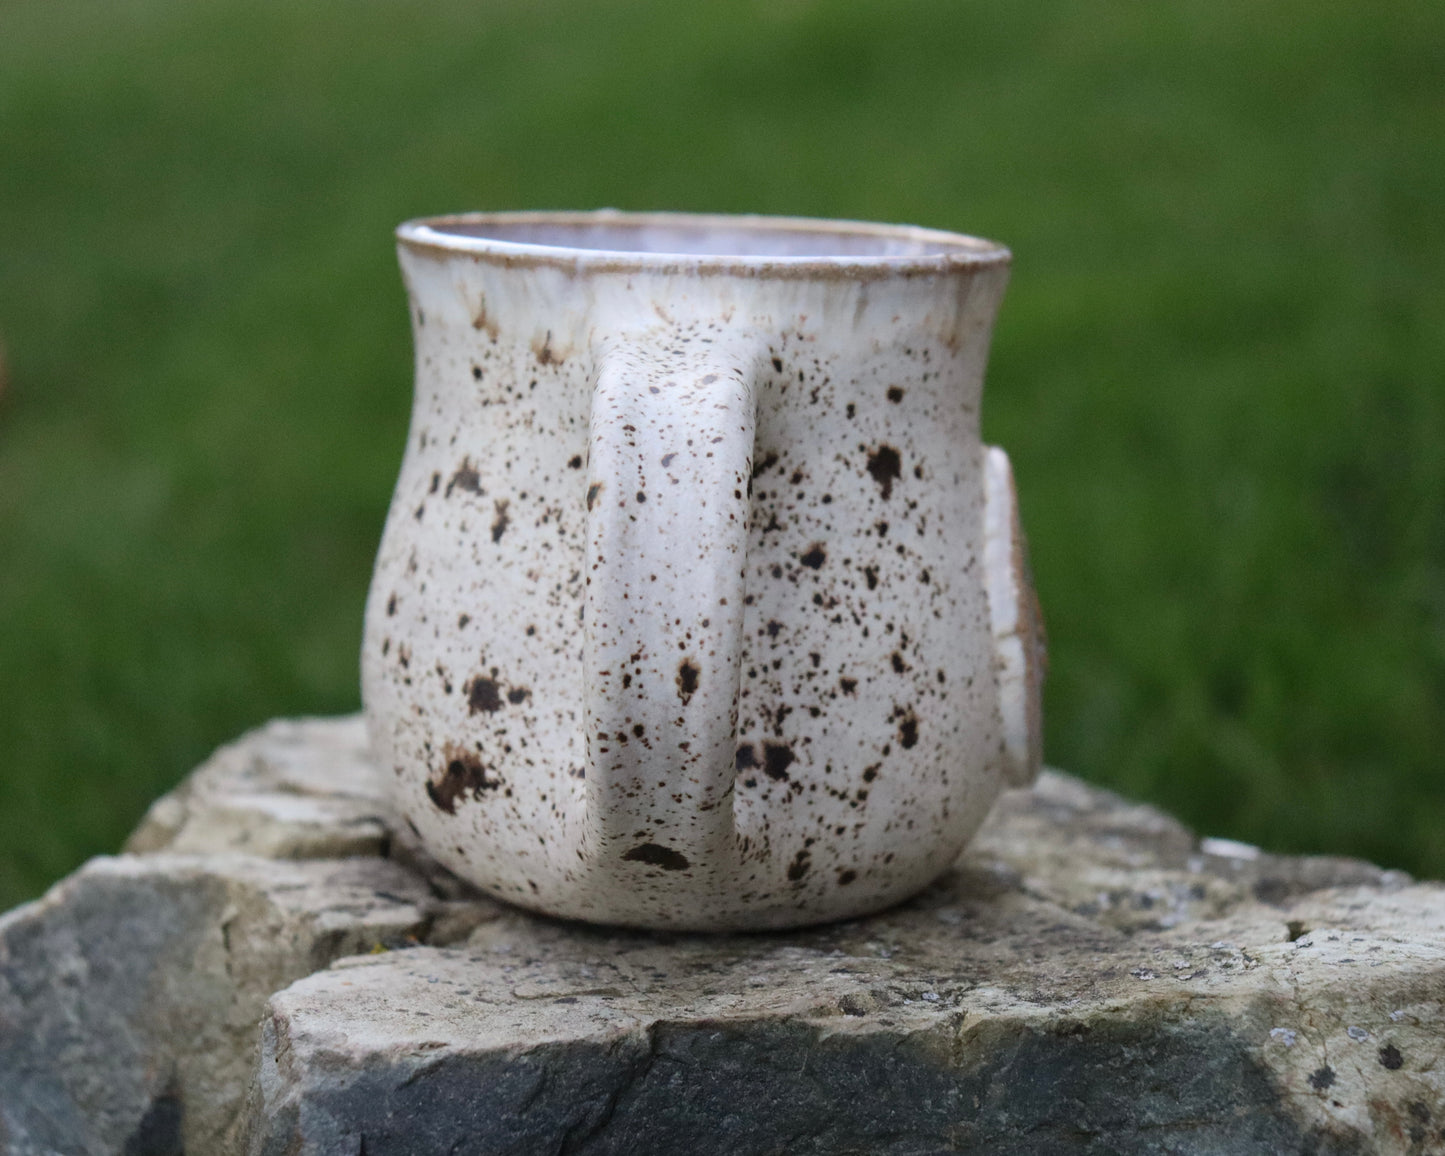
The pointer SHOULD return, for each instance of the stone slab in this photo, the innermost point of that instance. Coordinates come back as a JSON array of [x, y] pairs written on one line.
[[275, 968], [1088, 979]]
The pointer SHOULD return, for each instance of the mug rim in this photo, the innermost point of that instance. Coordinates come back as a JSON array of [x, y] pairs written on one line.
[[944, 251]]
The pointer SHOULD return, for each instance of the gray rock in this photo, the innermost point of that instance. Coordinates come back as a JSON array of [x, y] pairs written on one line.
[[293, 789], [129, 994], [1088, 978]]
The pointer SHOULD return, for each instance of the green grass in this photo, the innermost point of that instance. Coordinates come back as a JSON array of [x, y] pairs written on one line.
[[1219, 369]]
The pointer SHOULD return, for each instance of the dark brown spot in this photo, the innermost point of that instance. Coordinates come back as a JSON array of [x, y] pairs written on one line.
[[518, 695], [777, 365], [501, 522], [798, 868], [667, 459], [777, 758], [462, 621], [908, 731], [886, 467], [462, 773], [1322, 1078], [483, 694], [641, 496], [543, 350], [391, 606], [846, 877], [574, 462], [899, 666], [895, 395], [476, 373], [769, 461], [848, 685], [815, 557], [592, 491], [687, 678], [1391, 1058], [870, 575], [1294, 929], [746, 758], [656, 855], [871, 773], [851, 409], [774, 628], [466, 478], [436, 481]]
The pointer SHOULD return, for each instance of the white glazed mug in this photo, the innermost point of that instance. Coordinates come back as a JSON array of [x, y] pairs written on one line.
[[700, 603]]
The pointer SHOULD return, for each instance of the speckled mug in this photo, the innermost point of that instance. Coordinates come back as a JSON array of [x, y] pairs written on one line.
[[700, 604]]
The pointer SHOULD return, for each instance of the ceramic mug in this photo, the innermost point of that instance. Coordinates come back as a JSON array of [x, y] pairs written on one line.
[[700, 603]]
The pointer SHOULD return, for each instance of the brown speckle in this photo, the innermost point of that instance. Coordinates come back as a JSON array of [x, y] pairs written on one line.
[[777, 365], [656, 855], [462, 621], [895, 394], [899, 666], [667, 459], [518, 695], [846, 876], [462, 772], [544, 351], [481, 321], [798, 868], [574, 462], [886, 466], [908, 730], [848, 685], [391, 606], [777, 758], [815, 557], [870, 575], [501, 522], [688, 673], [592, 491], [483, 694], [466, 478]]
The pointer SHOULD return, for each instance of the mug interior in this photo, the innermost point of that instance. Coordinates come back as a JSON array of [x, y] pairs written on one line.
[[684, 235]]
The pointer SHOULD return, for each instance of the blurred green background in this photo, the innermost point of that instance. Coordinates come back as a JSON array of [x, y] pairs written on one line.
[[1218, 369]]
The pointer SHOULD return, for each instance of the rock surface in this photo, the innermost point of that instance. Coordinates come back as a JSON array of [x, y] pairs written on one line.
[[1088, 978]]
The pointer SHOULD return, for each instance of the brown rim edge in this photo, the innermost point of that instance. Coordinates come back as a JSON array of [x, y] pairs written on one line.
[[959, 252]]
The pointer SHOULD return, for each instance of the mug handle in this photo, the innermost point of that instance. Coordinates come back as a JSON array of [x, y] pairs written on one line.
[[1019, 644], [670, 462]]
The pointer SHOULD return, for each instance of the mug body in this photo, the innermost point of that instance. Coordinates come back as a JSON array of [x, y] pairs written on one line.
[[700, 603]]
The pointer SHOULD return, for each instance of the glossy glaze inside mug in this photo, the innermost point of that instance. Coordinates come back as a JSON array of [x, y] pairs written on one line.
[[700, 603]]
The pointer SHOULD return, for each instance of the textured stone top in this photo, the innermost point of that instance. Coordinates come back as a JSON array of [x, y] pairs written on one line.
[[1089, 977]]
